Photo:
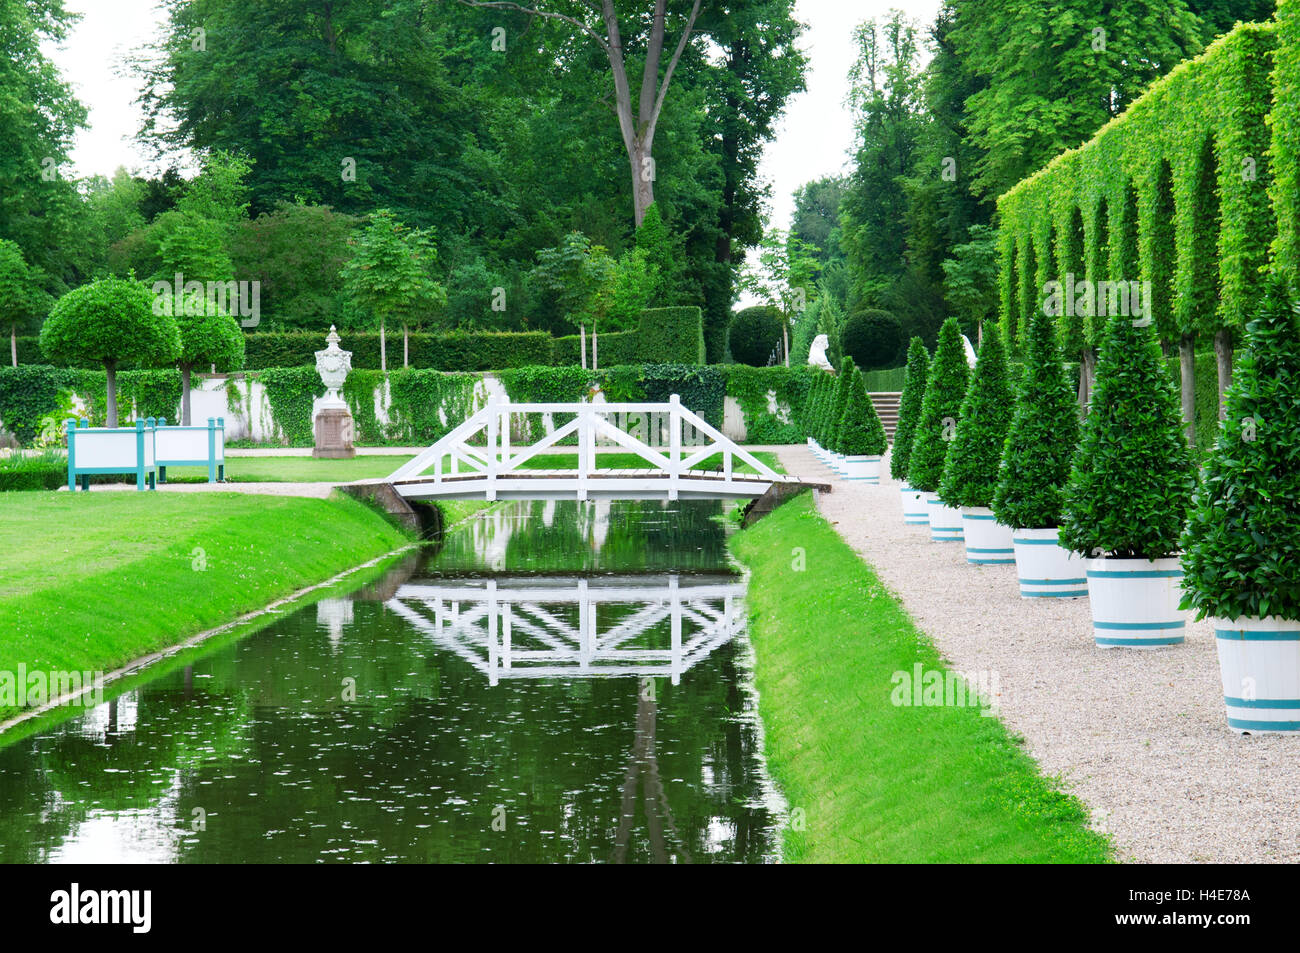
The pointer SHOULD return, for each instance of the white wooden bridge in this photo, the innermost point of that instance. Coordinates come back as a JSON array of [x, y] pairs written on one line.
[[526, 627], [476, 460]]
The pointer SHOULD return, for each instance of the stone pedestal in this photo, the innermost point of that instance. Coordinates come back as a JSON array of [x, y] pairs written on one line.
[[334, 433]]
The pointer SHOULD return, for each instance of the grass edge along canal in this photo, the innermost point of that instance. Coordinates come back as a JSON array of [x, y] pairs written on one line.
[[866, 780], [91, 583]]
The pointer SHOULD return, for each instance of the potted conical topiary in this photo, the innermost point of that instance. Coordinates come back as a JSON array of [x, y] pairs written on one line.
[[909, 412], [970, 475], [835, 418], [862, 435], [945, 389], [1129, 492], [1242, 543], [1040, 446]]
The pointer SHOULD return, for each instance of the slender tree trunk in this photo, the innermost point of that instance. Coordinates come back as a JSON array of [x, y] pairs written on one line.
[[383, 350], [13, 343], [785, 342], [1223, 358], [110, 404], [1187, 371], [1087, 360], [582, 344], [185, 395], [406, 347], [595, 360], [643, 179]]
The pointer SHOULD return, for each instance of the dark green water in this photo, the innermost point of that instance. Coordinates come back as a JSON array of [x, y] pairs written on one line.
[[400, 724]]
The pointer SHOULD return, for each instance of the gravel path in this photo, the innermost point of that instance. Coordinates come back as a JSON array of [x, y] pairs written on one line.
[[1139, 736]]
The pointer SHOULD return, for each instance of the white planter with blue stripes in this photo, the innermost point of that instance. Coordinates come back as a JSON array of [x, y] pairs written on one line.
[[945, 521], [1135, 602], [863, 468], [915, 510], [988, 542], [1260, 662], [1045, 568]]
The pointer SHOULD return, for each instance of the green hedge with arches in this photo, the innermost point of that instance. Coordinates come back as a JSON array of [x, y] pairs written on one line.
[[1175, 191]]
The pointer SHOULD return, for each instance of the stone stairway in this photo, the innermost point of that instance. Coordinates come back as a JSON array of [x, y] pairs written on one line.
[[887, 410]]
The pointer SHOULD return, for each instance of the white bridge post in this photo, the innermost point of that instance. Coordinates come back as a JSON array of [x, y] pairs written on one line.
[[492, 462], [674, 444]]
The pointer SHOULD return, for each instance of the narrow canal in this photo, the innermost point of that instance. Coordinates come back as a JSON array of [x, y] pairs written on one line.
[[553, 682]]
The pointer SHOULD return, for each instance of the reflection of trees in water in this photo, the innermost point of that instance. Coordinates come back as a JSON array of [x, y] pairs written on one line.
[[618, 536]]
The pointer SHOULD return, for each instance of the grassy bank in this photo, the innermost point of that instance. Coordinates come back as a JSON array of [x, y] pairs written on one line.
[[870, 780], [89, 582]]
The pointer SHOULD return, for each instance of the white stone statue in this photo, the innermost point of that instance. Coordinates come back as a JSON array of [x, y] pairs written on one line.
[[817, 353], [970, 351], [333, 366]]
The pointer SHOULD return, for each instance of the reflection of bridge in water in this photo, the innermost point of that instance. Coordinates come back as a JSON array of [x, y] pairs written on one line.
[[556, 627]]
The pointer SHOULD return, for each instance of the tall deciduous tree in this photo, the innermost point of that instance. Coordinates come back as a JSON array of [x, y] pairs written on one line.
[[21, 295], [638, 119], [389, 276]]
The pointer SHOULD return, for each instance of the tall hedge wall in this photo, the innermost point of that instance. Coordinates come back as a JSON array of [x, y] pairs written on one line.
[[671, 336], [1197, 143]]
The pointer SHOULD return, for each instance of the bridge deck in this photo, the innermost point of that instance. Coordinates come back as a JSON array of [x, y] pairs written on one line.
[[648, 484]]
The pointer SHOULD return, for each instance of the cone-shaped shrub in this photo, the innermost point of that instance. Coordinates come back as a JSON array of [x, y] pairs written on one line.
[[861, 432], [1043, 438], [1242, 544], [945, 389], [1131, 483], [909, 406], [842, 382], [824, 408], [970, 474]]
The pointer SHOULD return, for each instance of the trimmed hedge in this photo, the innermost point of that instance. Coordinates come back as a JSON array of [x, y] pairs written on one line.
[[48, 471], [612, 349], [754, 334], [1197, 137], [671, 336], [455, 351], [790, 386]]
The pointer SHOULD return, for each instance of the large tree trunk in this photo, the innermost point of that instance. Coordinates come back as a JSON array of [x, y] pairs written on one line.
[[110, 404], [1187, 371], [383, 350], [643, 176], [185, 395], [1223, 358]]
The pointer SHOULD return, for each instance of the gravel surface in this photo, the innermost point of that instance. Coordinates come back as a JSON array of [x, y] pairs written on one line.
[[1140, 737]]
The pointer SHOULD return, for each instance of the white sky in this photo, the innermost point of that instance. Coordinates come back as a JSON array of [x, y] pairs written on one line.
[[813, 139]]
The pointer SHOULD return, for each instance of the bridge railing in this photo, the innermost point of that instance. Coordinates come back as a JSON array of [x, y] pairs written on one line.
[[496, 457]]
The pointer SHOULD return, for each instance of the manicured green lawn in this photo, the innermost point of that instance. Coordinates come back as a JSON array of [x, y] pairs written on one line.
[[91, 581], [868, 780], [310, 470]]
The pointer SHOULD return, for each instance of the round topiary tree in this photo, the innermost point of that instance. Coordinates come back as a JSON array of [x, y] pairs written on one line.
[[209, 338], [754, 334], [970, 475], [861, 434], [1242, 541], [1129, 491], [1043, 437], [945, 390], [872, 338], [110, 323], [909, 407], [1241, 558]]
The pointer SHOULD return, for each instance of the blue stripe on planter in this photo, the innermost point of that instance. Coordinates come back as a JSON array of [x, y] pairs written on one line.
[[1035, 542], [1180, 624], [1052, 582], [1246, 725], [1174, 640], [917, 522], [1135, 573], [976, 516], [1000, 552], [990, 562], [1262, 702], [1258, 635], [1073, 594]]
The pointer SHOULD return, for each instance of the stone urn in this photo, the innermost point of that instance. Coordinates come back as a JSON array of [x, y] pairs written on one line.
[[333, 424]]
